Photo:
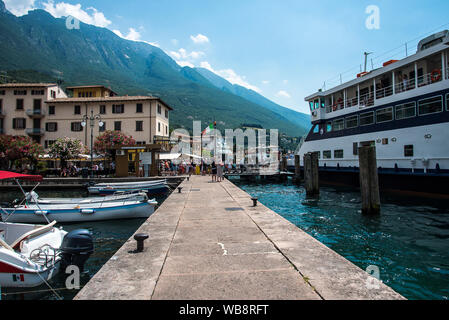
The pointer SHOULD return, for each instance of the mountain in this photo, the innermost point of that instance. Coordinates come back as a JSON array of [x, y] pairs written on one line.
[[300, 119], [39, 47]]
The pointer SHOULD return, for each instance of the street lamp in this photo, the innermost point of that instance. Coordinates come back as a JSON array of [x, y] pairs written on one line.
[[91, 120]]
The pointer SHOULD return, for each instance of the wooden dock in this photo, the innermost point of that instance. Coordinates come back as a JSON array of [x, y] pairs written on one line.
[[210, 243]]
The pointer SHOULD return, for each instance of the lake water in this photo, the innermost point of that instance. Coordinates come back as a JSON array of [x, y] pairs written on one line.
[[408, 242], [109, 236]]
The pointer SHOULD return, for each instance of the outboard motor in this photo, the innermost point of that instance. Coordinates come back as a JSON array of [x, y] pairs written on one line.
[[76, 248]]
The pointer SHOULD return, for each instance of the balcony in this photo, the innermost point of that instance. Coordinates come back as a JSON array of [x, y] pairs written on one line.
[[35, 113], [35, 132]]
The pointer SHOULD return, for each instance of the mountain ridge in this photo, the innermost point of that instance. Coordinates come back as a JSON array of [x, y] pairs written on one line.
[[42, 44]]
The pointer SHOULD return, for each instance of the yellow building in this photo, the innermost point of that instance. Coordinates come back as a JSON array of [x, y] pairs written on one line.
[[91, 91]]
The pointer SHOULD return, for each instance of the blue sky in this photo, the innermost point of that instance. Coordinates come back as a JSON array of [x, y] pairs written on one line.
[[285, 49]]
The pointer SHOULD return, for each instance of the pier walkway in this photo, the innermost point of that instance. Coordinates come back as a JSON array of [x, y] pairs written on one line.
[[210, 243]]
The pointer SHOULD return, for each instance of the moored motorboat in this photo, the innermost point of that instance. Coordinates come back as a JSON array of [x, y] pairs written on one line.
[[31, 255], [150, 187], [81, 212], [34, 198]]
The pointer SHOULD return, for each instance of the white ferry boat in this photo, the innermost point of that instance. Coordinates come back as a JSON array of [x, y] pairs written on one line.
[[401, 108]]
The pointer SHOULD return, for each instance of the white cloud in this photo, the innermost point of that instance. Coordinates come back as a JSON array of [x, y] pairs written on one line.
[[185, 64], [200, 38], [63, 9], [266, 82], [19, 7], [283, 94], [175, 42], [285, 81], [133, 34], [231, 76], [185, 56]]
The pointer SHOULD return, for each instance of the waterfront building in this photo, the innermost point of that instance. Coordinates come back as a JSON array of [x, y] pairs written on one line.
[[45, 112]]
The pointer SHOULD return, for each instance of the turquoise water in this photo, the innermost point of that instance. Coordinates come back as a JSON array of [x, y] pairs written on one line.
[[109, 236], [409, 241]]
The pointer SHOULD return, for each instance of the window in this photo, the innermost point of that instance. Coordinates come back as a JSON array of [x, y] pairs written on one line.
[[447, 102], [37, 104], [19, 123], [408, 151], [51, 110], [316, 129], [166, 114], [77, 110], [139, 125], [76, 127], [338, 125], [141, 143], [329, 127], [117, 125], [102, 128], [338, 154], [352, 122], [2, 92], [384, 115], [102, 109], [430, 105], [405, 111], [118, 108], [53, 94], [20, 92], [37, 92], [366, 118], [19, 104], [51, 126], [327, 154], [166, 129], [159, 109], [355, 148], [1, 106], [139, 108], [159, 127]]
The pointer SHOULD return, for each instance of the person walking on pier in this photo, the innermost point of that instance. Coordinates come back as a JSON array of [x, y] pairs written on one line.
[[214, 171], [220, 172]]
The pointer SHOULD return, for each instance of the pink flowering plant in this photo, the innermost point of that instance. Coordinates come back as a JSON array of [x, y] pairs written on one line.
[[18, 151], [109, 139]]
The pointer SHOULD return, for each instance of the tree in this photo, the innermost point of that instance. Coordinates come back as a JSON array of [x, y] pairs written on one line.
[[19, 151], [66, 149], [107, 140]]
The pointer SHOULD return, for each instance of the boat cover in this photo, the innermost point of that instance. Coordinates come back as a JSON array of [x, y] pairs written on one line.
[[12, 175]]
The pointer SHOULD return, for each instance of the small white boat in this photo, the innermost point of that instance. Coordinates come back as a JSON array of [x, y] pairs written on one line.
[[33, 198], [31, 255], [150, 187], [79, 212]]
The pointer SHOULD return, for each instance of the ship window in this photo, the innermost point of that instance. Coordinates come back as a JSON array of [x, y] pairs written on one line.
[[338, 154], [316, 129], [352, 122], [405, 111], [327, 154], [384, 115], [385, 141], [430, 105], [338, 125], [447, 102], [317, 104], [408, 151], [311, 105], [329, 127], [355, 148], [323, 103], [366, 118]]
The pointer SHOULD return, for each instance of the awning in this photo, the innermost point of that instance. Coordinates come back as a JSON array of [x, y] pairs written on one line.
[[173, 156], [12, 175]]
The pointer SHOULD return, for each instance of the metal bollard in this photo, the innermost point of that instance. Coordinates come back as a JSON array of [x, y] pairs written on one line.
[[140, 238], [179, 189], [254, 201]]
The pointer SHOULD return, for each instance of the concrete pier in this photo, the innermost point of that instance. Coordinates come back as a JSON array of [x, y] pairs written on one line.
[[210, 243]]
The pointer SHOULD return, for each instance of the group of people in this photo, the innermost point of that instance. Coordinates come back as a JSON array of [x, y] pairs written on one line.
[[217, 172]]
